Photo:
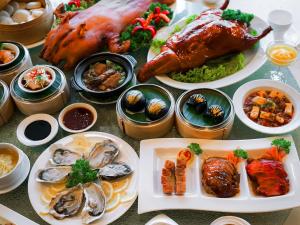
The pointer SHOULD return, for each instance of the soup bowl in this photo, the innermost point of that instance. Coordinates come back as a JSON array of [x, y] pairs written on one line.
[[14, 175]]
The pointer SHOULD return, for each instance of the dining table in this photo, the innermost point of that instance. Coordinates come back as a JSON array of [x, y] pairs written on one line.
[[18, 199]]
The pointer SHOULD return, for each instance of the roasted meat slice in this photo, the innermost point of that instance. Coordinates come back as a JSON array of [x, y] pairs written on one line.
[[268, 176], [220, 177], [208, 37], [168, 178]]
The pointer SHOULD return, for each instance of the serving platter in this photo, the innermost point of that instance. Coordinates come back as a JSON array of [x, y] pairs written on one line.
[[255, 58], [82, 142], [7, 215], [154, 152]]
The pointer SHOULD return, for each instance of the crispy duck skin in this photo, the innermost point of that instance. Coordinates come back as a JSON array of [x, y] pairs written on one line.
[[85, 32], [167, 177], [269, 177], [208, 37], [220, 177]]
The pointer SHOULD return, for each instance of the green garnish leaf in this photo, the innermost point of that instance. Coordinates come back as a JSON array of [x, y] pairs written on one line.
[[241, 153], [190, 19], [81, 173], [156, 45], [231, 14], [194, 147], [283, 144]]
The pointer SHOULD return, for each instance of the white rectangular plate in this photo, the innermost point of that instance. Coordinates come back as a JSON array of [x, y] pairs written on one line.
[[8, 215], [154, 152]]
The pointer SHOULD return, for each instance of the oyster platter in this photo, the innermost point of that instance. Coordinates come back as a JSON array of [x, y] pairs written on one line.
[[175, 103]]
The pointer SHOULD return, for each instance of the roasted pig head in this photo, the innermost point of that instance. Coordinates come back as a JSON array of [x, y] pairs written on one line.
[[208, 37]]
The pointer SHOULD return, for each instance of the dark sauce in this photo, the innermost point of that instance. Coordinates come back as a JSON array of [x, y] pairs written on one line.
[[38, 130], [78, 118]]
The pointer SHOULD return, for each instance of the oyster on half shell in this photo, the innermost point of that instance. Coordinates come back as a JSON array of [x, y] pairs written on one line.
[[103, 153], [67, 203], [95, 203], [114, 171], [64, 157], [56, 174]]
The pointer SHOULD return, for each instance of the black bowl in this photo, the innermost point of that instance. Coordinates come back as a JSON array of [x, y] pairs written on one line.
[[126, 61]]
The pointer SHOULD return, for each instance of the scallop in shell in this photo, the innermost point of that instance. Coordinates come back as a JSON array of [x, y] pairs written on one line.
[[103, 153], [114, 171], [95, 203], [53, 174], [64, 157], [67, 203]]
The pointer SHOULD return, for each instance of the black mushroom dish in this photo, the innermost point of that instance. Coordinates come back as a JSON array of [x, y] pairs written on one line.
[[104, 74]]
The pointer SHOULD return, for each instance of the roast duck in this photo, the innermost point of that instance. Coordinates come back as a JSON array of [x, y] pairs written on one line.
[[208, 37], [85, 32], [220, 177], [269, 177]]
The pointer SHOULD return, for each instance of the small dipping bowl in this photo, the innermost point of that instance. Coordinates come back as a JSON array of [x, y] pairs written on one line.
[[12, 177], [191, 124], [137, 125], [71, 108], [47, 68], [12, 47], [280, 20], [232, 220], [37, 129]]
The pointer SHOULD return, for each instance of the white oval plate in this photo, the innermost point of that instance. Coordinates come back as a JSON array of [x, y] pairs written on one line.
[[255, 58], [252, 86], [127, 154]]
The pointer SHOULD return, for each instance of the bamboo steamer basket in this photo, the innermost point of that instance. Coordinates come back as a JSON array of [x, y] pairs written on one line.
[[50, 103], [4, 3], [6, 104], [32, 31], [189, 129]]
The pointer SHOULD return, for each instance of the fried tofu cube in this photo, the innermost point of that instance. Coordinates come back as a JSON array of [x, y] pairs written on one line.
[[273, 94], [259, 100], [254, 112], [279, 119], [262, 93], [267, 115], [288, 109]]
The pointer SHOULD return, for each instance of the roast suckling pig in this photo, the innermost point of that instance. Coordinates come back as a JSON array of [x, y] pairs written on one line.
[[83, 33], [269, 177], [220, 177], [208, 37]]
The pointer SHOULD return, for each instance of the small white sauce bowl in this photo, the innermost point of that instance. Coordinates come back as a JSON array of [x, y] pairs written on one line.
[[280, 20], [14, 48], [48, 69], [15, 174], [73, 106], [35, 117], [224, 220], [246, 89]]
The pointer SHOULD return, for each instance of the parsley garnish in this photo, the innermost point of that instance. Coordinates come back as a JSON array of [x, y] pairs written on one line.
[[81, 173], [230, 14], [282, 144], [240, 153], [194, 147]]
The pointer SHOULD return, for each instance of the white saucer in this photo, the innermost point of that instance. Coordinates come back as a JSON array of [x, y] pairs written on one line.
[[161, 219], [25, 169]]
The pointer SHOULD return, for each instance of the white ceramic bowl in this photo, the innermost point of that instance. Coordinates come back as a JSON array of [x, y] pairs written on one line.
[[35, 117], [13, 176], [243, 91], [77, 105], [232, 220], [47, 68], [12, 47]]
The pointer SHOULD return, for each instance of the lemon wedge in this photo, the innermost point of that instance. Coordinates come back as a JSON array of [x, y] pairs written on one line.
[[45, 199], [113, 203], [127, 196], [108, 189], [57, 187], [120, 186]]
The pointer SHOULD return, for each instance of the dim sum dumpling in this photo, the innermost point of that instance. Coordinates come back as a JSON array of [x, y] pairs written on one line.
[[22, 16]]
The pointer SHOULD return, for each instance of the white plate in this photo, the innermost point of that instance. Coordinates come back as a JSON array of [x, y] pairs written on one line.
[[255, 58], [154, 152], [13, 217], [161, 219], [127, 154], [25, 168], [243, 91]]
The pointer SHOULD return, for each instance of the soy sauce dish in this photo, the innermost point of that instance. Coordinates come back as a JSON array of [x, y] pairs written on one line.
[[37, 129], [104, 74], [148, 108], [77, 117], [204, 113]]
